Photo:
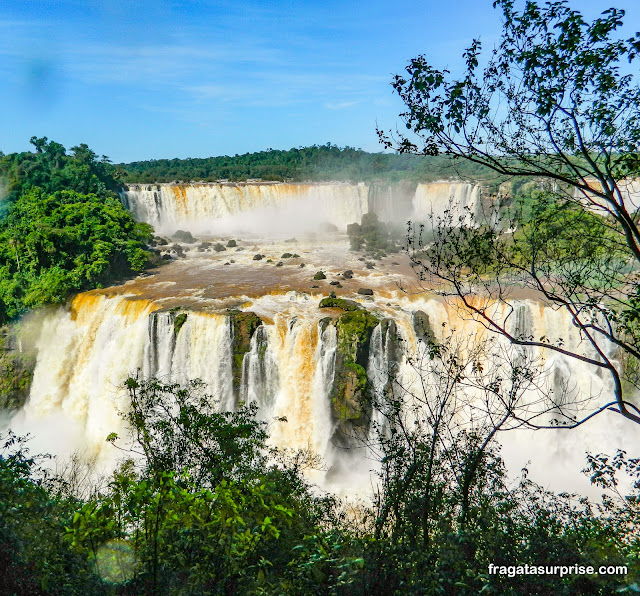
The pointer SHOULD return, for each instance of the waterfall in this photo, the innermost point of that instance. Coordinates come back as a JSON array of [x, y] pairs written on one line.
[[295, 346], [325, 356], [86, 351], [383, 372], [84, 355], [158, 352], [209, 208], [280, 208], [453, 202], [392, 202], [260, 379]]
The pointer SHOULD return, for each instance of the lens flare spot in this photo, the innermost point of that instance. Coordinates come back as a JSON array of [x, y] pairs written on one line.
[[116, 561]]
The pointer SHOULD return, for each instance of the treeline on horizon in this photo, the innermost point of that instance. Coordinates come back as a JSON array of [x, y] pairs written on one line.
[[315, 163]]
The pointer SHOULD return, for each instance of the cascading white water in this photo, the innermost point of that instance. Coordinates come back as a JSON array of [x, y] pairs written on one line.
[[278, 208], [158, 353], [460, 200], [386, 358], [325, 357], [265, 208], [378, 377], [287, 370], [85, 353], [260, 378]]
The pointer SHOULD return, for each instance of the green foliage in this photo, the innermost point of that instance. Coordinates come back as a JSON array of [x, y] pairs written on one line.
[[62, 227], [51, 169], [354, 328], [560, 236], [244, 325], [55, 244], [206, 507], [16, 370], [34, 556], [209, 511], [342, 303], [178, 322], [350, 391], [315, 163]]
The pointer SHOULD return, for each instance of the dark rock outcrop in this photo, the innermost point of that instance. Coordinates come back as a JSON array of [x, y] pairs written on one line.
[[422, 327], [184, 236], [178, 250], [243, 326], [16, 370], [349, 393], [344, 304]]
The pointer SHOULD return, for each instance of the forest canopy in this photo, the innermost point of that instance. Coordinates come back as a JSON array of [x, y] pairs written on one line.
[[315, 163], [63, 227]]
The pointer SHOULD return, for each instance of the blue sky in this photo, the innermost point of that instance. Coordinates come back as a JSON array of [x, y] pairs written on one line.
[[140, 79]]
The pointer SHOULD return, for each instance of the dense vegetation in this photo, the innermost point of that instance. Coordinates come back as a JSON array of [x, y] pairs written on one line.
[[63, 228], [51, 168], [316, 163], [200, 505]]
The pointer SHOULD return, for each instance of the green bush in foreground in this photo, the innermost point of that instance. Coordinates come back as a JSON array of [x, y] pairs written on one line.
[[206, 507]]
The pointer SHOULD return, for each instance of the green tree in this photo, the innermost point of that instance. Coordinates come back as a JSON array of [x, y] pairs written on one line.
[[208, 508], [55, 244], [52, 169], [318, 163], [554, 102]]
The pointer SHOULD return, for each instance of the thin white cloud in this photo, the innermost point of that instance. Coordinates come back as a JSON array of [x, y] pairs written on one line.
[[201, 75], [161, 63], [340, 105]]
